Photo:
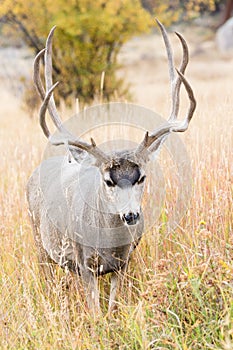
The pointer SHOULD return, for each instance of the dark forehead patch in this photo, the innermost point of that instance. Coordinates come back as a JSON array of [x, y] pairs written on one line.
[[124, 170]]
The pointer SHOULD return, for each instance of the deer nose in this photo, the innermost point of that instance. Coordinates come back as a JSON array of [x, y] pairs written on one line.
[[131, 218]]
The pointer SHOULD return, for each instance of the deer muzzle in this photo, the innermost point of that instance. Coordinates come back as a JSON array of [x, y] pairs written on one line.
[[130, 218]]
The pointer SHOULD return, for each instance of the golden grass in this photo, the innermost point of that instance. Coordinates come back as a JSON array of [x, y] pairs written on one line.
[[178, 292]]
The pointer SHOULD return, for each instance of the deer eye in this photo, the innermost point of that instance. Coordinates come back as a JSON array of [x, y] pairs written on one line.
[[109, 183], [140, 181]]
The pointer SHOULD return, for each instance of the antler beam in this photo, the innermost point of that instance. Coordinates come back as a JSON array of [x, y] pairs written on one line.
[[46, 95], [152, 141]]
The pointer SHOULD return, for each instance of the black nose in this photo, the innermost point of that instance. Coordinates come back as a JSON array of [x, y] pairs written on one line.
[[131, 218]]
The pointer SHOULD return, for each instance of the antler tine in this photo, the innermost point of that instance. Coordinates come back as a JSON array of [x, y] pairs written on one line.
[[177, 81], [185, 58], [43, 109], [167, 43], [36, 75], [174, 79], [49, 81], [183, 125]]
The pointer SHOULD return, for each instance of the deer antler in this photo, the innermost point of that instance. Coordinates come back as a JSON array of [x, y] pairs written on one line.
[[49, 103], [152, 141]]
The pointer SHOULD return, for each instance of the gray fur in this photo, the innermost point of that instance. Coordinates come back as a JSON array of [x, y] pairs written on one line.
[[78, 227]]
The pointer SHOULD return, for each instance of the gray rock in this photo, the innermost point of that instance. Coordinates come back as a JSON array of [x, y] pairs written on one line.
[[224, 36]]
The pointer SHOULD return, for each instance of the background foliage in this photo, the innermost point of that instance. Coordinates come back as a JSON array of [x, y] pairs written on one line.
[[90, 35], [176, 10], [87, 40]]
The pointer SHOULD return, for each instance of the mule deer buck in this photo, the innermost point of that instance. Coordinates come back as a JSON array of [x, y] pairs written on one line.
[[113, 182]]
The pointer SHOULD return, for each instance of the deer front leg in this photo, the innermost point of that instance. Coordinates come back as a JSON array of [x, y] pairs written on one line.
[[117, 280], [90, 282], [46, 264], [113, 291]]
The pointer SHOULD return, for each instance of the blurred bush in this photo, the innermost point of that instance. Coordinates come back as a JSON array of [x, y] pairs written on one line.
[[88, 38], [170, 11]]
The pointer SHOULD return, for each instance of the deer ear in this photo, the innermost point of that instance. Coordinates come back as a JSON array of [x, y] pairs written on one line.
[[156, 146], [79, 156]]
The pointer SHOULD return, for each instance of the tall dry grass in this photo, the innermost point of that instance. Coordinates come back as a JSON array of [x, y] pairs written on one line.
[[178, 290]]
